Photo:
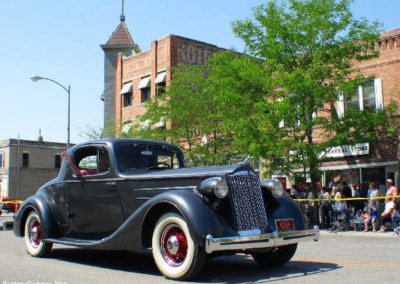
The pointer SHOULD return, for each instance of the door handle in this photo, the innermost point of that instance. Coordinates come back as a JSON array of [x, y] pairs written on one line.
[[111, 185]]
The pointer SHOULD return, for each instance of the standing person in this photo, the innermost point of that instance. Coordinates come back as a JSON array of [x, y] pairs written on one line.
[[346, 193], [364, 189], [325, 207], [392, 190], [334, 192], [345, 190], [387, 214], [293, 192], [373, 192], [339, 208], [355, 193]]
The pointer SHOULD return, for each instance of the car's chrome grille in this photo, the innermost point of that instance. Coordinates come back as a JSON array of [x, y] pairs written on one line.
[[247, 203]]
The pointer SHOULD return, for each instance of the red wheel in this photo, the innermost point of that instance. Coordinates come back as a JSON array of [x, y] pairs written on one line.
[[173, 245], [174, 252], [33, 236]]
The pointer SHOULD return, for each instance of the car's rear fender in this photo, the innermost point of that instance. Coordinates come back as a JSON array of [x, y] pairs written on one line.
[[35, 203]]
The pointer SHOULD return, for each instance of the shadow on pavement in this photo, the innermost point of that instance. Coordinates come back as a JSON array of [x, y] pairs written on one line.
[[232, 269]]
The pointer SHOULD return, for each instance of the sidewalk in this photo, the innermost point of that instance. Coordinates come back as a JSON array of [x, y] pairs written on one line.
[[357, 234]]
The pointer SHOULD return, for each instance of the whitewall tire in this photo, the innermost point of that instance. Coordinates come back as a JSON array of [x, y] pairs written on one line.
[[174, 251], [33, 236]]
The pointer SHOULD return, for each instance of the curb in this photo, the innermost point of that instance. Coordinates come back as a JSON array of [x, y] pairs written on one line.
[[7, 225], [6, 221], [357, 234]]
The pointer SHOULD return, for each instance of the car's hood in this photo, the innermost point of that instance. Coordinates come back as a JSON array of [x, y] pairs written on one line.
[[188, 172]]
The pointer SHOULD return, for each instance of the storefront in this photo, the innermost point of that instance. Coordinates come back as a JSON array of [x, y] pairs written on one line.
[[358, 164]]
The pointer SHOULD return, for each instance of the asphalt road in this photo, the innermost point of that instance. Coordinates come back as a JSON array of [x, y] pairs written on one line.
[[345, 257]]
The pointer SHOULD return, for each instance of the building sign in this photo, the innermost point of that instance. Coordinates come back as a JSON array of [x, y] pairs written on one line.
[[348, 150], [194, 54]]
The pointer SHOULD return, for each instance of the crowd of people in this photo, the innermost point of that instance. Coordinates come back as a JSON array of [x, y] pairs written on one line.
[[369, 209]]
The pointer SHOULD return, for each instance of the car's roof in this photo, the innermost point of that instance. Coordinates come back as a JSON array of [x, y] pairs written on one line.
[[119, 141]]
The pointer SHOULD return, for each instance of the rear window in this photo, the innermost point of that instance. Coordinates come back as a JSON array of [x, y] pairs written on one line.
[[145, 157]]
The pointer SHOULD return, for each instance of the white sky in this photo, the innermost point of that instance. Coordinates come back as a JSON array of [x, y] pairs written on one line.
[[61, 40]]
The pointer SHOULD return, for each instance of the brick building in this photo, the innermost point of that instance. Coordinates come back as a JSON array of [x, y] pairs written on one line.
[[132, 77], [26, 165], [142, 75], [375, 161]]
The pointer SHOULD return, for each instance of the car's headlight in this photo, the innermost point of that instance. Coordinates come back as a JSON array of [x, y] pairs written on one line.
[[274, 186], [216, 186]]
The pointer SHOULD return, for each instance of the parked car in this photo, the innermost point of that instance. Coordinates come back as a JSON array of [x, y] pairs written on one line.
[[138, 194]]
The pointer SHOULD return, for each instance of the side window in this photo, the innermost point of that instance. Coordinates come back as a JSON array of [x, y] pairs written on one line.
[[92, 160], [88, 165]]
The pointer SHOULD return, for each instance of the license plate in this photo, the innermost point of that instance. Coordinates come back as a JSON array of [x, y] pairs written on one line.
[[284, 225]]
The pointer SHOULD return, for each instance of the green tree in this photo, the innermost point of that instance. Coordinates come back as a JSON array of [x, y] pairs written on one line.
[[192, 113], [309, 49]]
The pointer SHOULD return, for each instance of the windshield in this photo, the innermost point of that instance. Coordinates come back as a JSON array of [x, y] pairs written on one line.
[[146, 157]]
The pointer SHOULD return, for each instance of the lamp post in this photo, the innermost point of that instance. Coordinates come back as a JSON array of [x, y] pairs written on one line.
[[68, 90]]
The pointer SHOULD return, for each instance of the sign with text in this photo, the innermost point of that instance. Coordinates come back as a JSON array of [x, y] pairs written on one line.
[[348, 150]]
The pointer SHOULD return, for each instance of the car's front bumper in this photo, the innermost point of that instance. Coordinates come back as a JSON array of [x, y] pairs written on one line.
[[269, 240]]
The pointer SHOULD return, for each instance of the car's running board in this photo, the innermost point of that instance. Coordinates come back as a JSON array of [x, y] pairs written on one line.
[[74, 242]]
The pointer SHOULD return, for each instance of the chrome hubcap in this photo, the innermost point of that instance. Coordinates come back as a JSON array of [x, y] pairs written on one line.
[[173, 245], [35, 234]]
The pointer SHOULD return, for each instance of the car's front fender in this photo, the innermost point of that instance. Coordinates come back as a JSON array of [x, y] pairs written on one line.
[[136, 231], [284, 208], [198, 214]]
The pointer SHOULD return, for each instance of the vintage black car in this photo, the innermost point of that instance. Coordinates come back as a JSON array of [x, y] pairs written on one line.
[[136, 194]]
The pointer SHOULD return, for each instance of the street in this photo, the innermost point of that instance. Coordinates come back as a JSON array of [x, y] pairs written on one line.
[[346, 257]]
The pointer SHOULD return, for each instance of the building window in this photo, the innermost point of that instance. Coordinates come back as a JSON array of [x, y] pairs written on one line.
[[57, 161], [144, 87], [127, 99], [145, 94], [1, 160], [25, 159], [160, 83], [367, 96], [161, 89], [126, 93]]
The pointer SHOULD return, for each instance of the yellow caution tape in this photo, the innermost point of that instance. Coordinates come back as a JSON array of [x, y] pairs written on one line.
[[345, 199], [12, 202]]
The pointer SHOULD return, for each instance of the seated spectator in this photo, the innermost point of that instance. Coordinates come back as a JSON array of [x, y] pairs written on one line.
[[387, 214], [396, 219], [371, 216], [358, 219]]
